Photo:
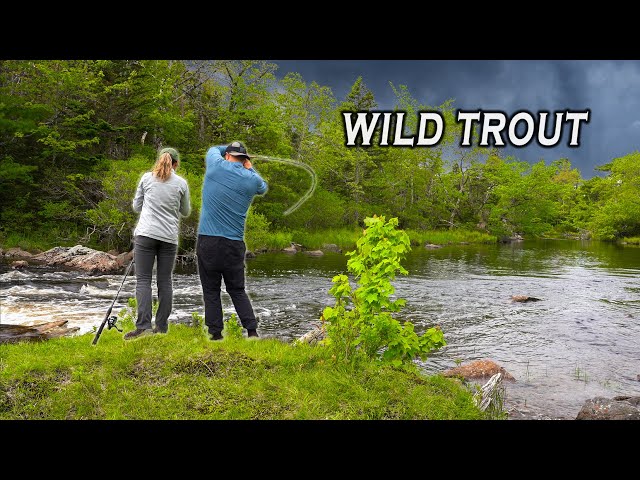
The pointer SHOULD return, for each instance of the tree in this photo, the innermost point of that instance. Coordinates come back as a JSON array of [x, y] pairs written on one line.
[[617, 212]]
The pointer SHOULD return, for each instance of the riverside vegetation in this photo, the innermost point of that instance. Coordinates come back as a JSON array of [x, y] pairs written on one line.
[[77, 135], [363, 369]]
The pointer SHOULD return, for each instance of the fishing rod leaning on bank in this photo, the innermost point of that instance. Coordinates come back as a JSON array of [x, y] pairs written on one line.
[[110, 320]]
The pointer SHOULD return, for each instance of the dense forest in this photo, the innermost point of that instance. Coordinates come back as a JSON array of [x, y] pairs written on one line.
[[76, 135]]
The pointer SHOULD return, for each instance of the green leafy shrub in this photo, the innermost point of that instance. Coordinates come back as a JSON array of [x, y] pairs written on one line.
[[361, 321], [197, 321], [232, 328], [257, 230]]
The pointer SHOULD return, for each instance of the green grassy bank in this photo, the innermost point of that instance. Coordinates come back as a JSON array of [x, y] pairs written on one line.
[[184, 375], [344, 238]]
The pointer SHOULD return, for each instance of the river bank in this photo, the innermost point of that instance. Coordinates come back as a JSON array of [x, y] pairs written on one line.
[[263, 241], [575, 344], [183, 375]]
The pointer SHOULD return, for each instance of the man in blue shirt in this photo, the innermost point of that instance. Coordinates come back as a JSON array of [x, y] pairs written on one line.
[[230, 183]]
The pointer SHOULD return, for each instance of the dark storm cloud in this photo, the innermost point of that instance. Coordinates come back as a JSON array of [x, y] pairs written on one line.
[[610, 89]]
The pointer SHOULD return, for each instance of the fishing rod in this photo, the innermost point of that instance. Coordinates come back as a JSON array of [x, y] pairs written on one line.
[[314, 179], [110, 321]]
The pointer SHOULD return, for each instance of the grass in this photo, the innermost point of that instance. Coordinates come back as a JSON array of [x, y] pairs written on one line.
[[344, 238], [580, 374], [30, 243], [630, 240], [184, 375], [446, 237], [270, 241]]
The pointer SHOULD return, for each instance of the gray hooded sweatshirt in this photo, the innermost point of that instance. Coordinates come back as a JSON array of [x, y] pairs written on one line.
[[160, 205]]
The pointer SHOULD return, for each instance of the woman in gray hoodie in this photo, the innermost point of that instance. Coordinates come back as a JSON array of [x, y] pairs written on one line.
[[162, 197]]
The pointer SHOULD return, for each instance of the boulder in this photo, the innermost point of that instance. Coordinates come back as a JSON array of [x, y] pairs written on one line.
[[80, 258], [293, 248], [124, 258], [524, 298], [432, 246], [618, 408], [478, 369], [17, 252], [18, 264], [331, 247], [35, 333], [314, 253], [514, 238]]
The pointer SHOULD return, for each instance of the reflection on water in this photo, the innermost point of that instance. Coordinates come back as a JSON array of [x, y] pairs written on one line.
[[579, 342]]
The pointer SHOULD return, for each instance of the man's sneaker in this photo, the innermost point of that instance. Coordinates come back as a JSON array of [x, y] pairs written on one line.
[[216, 336], [137, 333], [252, 333]]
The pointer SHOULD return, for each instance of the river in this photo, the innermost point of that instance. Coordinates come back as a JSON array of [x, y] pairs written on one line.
[[581, 340]]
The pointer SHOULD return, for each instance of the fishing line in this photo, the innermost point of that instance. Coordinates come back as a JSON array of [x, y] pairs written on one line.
[[314, 179]]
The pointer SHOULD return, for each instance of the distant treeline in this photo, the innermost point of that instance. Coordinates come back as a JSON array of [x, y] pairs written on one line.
[[76, 135]]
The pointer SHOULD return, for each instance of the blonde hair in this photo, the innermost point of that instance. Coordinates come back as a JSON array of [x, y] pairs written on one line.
[[163, 167]]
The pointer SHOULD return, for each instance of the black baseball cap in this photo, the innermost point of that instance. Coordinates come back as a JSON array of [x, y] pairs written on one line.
[[237, 149]]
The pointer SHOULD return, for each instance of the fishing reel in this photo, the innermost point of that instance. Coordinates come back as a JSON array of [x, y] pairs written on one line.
[[111, 323]]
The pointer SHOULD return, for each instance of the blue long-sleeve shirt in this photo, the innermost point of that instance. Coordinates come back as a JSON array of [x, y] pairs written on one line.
[[227, 193]]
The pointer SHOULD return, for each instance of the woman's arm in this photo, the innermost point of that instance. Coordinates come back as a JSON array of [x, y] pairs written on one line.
[[185, 202], [138, 200]]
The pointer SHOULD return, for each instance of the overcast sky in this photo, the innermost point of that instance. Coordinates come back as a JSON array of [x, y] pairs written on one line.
[[610, 89]]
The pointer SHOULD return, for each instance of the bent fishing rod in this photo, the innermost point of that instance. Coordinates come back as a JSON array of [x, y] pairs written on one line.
[[109, 320]]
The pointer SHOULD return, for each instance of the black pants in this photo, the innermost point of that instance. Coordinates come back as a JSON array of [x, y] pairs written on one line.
[[218, 258], [146, 251]]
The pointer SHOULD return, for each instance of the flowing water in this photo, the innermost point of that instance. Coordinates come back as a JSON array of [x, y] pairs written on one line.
[[581, 340]]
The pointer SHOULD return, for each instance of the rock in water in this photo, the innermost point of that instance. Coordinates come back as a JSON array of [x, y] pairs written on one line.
[[618, 408], [80, 258], [524, 298], [35, 333], [478, 369]]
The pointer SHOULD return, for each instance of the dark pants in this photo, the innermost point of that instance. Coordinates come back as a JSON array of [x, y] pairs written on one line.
[[146, 251], [218, 258]]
